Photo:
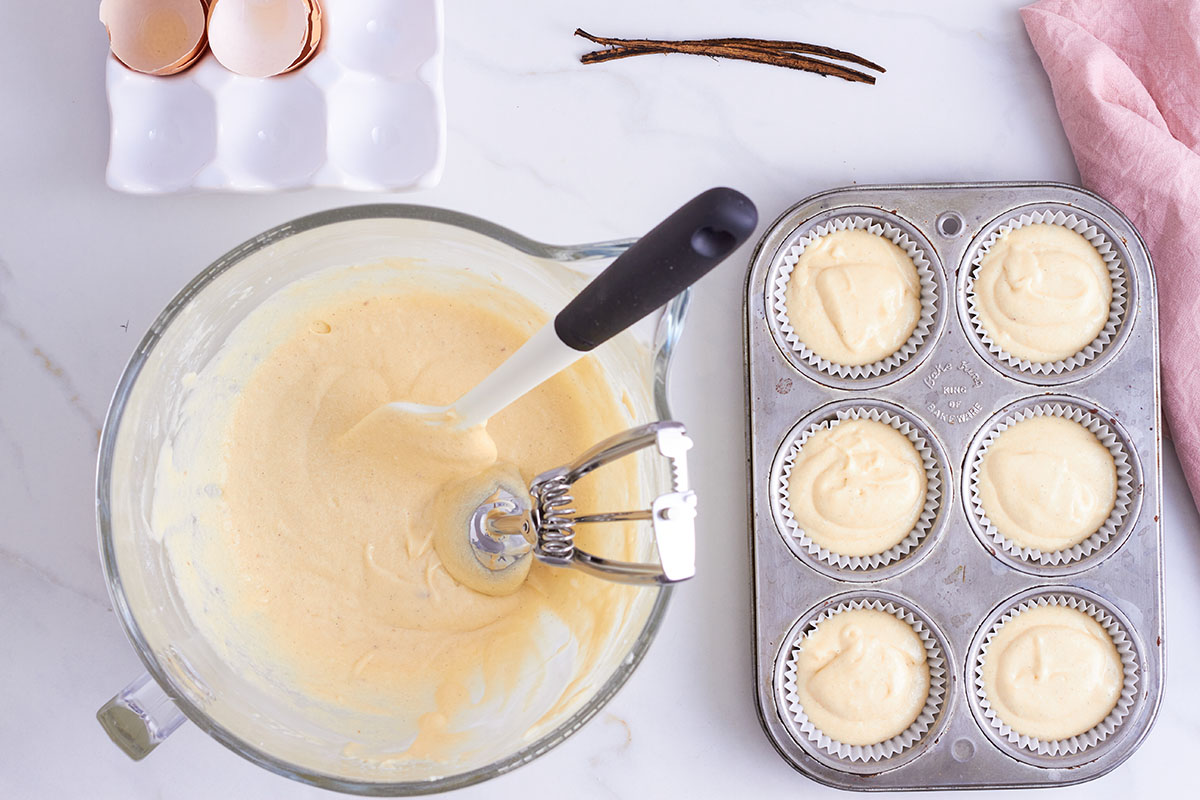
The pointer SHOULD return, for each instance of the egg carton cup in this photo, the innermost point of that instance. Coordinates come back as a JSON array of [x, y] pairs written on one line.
[[929, 512], [935, 658], [1106, 728], [929, 296], [1116, 518], [366, 113], [1116, 273]]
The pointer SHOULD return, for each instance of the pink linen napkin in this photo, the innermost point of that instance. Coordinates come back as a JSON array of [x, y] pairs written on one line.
[[1126, 79]]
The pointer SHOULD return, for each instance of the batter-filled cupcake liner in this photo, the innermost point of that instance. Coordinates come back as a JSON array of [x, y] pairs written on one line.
[[1107, 530], [933, 490], [935, 658], [929, 297], [1116, 273], [1107, 726]]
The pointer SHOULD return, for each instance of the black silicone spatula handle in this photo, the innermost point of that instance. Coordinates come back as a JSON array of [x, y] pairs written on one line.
[[664, 262]]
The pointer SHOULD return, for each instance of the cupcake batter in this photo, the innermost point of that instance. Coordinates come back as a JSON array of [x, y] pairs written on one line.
[[1052, 672], [1043, 292], [1047, 483], [298, 512], [853, 298], [862, 676], [857, 488]]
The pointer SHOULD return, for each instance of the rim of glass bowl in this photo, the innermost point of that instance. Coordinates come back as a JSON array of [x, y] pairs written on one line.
[[668, 331]]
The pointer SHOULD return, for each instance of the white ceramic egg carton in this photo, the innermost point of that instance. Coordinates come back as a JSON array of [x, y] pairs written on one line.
[[367, 113]]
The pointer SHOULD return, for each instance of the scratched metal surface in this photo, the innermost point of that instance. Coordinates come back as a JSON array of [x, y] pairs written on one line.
[[955, 580]]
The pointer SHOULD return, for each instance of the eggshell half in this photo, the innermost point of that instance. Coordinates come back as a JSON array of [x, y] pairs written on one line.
[[157, 37], [259, 38]]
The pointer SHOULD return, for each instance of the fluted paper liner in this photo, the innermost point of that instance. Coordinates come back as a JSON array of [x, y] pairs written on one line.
[[933, 490], [1116, 273], [935, 658], [929, 298], [1090, 738], [1107, 530]]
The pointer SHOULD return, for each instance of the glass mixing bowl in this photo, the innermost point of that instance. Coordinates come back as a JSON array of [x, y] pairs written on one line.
[[185, 678]]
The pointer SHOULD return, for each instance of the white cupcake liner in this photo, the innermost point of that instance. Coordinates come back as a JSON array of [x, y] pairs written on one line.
[[933, 490], [935, 658], [1107, 726], [1124, 501], [929, 296], [1116, 273]]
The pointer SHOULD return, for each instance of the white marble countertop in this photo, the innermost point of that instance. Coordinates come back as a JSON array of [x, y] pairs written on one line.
[[560, 152]]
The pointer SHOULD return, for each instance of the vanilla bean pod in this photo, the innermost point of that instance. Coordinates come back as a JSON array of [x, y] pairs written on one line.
[[790, 55]]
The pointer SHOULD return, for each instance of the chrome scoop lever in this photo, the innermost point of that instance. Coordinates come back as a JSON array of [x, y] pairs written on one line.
[[502, 530]]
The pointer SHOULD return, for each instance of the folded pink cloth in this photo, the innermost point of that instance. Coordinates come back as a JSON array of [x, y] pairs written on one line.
[[1126, 79]]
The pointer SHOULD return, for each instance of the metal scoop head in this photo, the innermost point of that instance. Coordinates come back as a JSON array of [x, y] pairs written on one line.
[[503, 529]]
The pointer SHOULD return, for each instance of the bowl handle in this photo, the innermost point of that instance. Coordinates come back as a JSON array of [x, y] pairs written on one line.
[[139, 717]]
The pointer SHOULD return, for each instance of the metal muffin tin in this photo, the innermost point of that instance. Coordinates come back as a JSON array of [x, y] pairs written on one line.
[[952, 388]]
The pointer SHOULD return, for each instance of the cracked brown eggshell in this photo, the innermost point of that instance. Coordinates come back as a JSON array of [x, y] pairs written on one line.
[[263, 38], [155, 37]]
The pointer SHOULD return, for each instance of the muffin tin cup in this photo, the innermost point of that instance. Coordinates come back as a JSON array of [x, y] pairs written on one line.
[[925, 273], [1106, 433], [1116, 272], [933, 486], [901, 743], [1020, 744]]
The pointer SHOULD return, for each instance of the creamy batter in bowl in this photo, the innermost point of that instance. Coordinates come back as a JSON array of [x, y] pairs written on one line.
[[310, 729]]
